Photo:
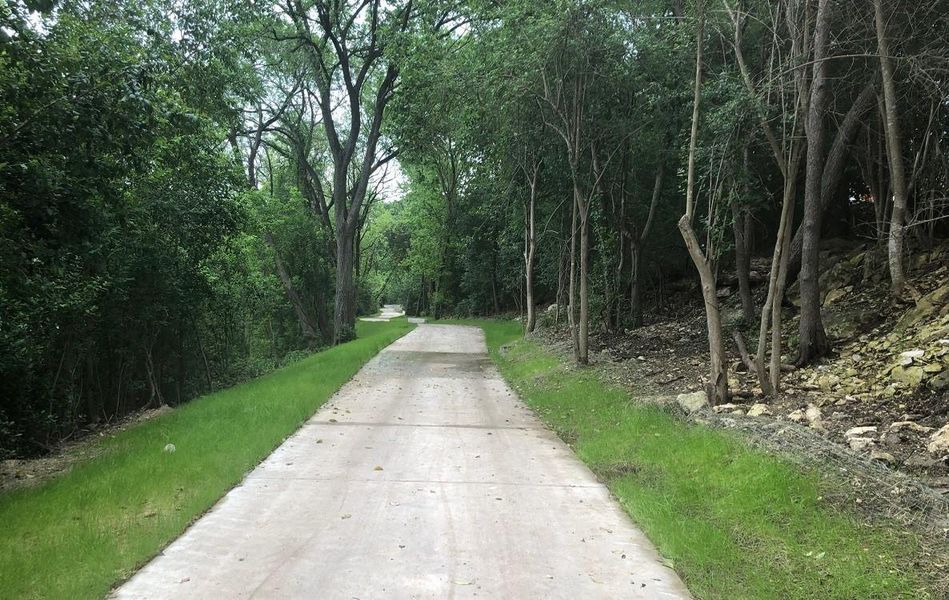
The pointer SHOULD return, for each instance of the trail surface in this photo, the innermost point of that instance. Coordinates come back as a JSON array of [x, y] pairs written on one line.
[[424, 477]]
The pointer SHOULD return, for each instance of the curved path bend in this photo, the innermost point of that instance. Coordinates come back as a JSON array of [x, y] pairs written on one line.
[[424, 477]]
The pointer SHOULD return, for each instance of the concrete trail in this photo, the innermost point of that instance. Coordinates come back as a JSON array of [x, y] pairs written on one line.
[[424, 477], [388, 311]]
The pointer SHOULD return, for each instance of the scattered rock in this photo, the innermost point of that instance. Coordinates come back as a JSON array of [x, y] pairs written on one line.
[[913, 354], [859, 431], [911, 376], [827, 382], [724, 408], [758, 410], [692, 402], [814, 416], [883, 457], [939, 441], [837, 294], [797, 416], [920, 461], [858, 444], [911, 425]]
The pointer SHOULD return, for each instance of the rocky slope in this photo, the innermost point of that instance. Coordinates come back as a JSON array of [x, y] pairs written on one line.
[[884, 392]]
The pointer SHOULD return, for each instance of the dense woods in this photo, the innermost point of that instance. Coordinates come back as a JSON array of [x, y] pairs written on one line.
[[193, 193]]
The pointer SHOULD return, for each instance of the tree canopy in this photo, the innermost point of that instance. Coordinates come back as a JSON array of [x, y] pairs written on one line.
[[192, 193]]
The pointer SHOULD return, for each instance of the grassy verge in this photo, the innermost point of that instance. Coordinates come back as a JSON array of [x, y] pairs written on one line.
[[80, 533], [735, 522]]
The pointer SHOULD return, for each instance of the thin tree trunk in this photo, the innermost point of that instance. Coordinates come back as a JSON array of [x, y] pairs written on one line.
[[530, 246], [636, 244], [584, 329], [717, 388], [572, 293], [834, 166], [741, 227], [812, 338], [894, 147], [635, 284]]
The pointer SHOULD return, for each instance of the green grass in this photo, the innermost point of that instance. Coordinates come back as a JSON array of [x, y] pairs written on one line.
[[734, 522], [80, 533]]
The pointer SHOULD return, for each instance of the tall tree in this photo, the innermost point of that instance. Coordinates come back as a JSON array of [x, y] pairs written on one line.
[[813, 340], [354, 79], [717, 387]]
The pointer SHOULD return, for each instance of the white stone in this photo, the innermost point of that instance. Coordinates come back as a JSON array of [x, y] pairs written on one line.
[[858, 444], [758, 410], [692, 402], [813, 413], [859, 431], [914, 426], [912, 354], [939, 441]]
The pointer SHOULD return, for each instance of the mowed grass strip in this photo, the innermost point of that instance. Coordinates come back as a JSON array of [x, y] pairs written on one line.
[[735, 523], [80, 533]]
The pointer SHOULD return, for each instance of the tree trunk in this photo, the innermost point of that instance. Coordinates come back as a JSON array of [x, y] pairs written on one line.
[[813, 341], [344, 313], [894, 148], [834, 166], [635, 284], [584, 329], [741, 227], [771, 312], [530, 246], [717, 388], [572, 293]]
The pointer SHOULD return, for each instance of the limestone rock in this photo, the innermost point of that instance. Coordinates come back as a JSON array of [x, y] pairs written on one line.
[[910, 425], [884, 457], [814, 416], [939, 441], [692, 402], [827, 382], [911, 376], [913, 354], [797, 416], [858, 444], [920, 461], [836, 294], [758, 410], [940, 382], [859, 431]]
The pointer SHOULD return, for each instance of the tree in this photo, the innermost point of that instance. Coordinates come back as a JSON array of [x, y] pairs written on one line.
[[894, 150], [346, 44], [717, 388], [813, 340]]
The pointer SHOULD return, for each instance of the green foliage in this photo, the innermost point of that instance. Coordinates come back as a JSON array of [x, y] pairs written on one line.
[[131, 273]]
